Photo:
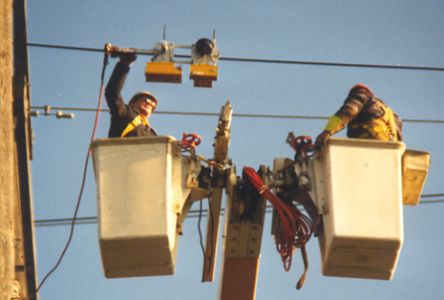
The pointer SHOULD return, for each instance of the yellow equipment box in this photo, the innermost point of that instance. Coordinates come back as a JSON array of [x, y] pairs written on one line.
[[163, 72], [358, 188], [203, 75]]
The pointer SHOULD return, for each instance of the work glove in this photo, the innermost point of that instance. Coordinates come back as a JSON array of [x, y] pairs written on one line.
[[321, 140]]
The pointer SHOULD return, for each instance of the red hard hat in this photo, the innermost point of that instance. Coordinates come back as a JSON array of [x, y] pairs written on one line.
[[361, 86]]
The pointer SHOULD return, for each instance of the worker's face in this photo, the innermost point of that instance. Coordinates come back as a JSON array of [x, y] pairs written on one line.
[[145, 106]]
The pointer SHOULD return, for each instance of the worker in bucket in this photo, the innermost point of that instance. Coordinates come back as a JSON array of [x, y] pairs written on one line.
[[366, 117], [128, 120]]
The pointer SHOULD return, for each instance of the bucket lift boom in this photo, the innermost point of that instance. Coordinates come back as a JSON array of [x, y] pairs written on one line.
[[333, 180], [222, 178]]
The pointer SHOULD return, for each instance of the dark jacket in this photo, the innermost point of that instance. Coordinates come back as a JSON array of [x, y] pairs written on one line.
[[121, 113]]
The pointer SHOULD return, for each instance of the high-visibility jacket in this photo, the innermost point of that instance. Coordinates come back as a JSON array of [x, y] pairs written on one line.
[[366, 116], [376, 121]]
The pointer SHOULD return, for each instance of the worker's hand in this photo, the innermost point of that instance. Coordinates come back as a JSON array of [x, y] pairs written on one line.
[[127, 58], [321, 140]]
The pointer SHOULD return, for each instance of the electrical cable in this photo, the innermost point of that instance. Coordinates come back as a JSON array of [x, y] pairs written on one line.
[[297, 228], [82, 186], [432, 195], [200, 229], [239, 115], [258, 60], [432, 201], [212, 250], [191, 215]]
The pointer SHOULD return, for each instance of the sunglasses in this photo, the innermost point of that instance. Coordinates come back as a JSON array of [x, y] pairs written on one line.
[[151, 102]]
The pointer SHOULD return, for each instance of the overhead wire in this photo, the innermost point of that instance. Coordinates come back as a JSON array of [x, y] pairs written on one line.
[[192, 214], [238, 115], [258, 60], [433, 201], [432, 195], [253, 60]]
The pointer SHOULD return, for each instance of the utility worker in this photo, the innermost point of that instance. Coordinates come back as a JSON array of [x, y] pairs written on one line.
[[128, 120], [366, 117]]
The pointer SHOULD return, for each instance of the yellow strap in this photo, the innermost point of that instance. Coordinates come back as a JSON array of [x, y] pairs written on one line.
[[386, 125], [134, 123], [378, 129], [334, 124], [393, 128], [383, 128]]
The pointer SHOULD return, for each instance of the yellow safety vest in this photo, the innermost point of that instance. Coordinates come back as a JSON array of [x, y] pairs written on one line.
[[383, 128], [134, 123]]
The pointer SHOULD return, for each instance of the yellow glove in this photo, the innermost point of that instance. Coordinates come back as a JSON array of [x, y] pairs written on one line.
[[334, 124]]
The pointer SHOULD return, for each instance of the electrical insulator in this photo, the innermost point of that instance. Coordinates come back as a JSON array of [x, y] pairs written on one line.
[[34, 113], [62, 115], [47, 110]]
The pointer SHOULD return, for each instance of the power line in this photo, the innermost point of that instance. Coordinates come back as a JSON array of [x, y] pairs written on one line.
[[192, 214], [239, 115], [92, 219], [432, 195], [259, 60], [433, 201]]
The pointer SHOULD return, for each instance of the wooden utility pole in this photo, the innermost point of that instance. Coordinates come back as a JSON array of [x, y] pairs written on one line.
[[7, 171], [17, 266]]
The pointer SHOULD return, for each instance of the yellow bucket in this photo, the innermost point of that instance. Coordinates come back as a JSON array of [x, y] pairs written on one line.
[[415, 166]]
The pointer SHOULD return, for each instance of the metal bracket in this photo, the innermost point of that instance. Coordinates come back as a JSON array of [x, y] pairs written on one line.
[[221, 144]]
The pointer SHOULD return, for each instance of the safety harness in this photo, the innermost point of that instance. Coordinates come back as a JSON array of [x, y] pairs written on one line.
[[139, 120], [379, 123]]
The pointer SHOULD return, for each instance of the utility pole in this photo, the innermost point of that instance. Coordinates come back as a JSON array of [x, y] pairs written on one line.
[[7, 193], [17, 265], [7, 281]]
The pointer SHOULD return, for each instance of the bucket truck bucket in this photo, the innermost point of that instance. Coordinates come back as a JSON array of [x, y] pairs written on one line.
[[358, 188], [140, 194]]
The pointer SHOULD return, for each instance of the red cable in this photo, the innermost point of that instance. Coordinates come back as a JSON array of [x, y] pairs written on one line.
[[296, 227], [82, 186]]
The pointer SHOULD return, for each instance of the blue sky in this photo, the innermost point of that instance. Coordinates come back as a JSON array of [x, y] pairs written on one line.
[[362, 32]]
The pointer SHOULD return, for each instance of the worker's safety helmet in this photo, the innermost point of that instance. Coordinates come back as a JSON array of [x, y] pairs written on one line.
[[361, 86], [140, 94]]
